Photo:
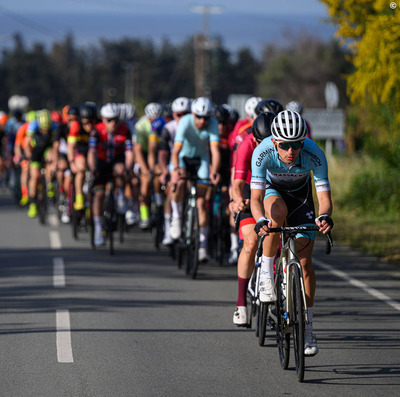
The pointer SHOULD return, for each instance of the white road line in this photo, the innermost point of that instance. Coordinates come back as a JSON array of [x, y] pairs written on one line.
[[58, 273], [64, 346], [359, 284], [53, 220], [55, 240]]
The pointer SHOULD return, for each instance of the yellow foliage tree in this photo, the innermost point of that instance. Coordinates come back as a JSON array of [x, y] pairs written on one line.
[[371, 28]]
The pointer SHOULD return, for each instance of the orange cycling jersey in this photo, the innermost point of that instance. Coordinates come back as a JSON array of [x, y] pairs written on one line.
[[21, 134]]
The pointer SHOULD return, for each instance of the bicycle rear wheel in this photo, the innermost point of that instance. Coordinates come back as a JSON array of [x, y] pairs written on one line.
[[298, 323], [282, 336]]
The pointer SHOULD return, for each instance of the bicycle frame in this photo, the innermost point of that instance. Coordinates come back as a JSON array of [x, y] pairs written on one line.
[[287, 261]]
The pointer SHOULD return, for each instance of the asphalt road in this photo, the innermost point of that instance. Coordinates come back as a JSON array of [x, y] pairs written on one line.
[[78, 322]]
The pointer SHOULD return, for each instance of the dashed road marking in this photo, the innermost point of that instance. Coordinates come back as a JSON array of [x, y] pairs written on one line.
[[359, 284], [64, 345], [58, 273]]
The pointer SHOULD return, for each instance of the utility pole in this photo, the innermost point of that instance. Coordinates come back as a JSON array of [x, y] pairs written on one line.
[[202, 46], [129, 68]]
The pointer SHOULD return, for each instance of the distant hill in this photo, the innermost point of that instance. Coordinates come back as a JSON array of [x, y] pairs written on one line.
[[237, 31]]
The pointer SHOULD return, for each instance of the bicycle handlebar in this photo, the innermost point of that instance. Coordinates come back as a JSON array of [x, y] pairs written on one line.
[[297, 229]]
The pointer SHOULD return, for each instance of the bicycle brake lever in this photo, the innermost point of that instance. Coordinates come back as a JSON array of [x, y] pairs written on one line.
[[329, 243]]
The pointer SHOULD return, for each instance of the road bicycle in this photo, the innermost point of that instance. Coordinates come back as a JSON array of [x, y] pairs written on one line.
[[220, 229], [188, 244], [41, 197], [289, 313], [112, 220], [156, 215], [258, 309], [80, 219]]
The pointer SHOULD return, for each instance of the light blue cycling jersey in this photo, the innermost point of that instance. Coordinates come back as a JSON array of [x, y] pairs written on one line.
[[267, 170], [196, 143]]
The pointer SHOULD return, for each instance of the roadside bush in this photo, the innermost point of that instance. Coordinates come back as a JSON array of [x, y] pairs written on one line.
[[376, 190]]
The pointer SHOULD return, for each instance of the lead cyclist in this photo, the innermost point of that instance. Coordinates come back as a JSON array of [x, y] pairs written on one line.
[[281, 191]]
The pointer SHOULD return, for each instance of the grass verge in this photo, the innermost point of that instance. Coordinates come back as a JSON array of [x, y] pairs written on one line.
[[365, 230]]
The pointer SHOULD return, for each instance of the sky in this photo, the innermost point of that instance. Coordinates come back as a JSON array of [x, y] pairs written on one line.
[[240, 23], [302, 7]]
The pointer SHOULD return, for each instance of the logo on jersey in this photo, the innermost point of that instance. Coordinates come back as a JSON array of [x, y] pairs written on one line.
[[310, 215], [315, 159], [262, 156]]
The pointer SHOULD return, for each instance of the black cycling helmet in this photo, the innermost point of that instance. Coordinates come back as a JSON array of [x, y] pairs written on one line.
[[167, 110], [233, 116], [88, 112], [262, 125], [221, 114], [73, 111], [269, 105]]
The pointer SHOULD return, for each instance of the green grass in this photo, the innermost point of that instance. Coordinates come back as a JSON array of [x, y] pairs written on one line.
[[374, 229]]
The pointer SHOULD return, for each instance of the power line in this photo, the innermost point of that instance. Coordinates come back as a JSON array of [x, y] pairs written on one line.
[[27, 22]]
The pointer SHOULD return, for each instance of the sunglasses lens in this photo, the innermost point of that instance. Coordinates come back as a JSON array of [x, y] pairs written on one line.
[[203, 117], [293, 145]]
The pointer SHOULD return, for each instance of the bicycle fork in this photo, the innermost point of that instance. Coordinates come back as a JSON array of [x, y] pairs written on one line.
[[189, 221]]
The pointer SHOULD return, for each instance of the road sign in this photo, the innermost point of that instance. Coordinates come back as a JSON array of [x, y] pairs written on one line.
[[331, 95], [326, 124], [237, 101]]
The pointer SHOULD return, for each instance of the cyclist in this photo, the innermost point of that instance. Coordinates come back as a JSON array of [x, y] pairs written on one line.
[[298, 107], [143, 130], [128, 116], [78, 141], [38, 149], [20, 159], [243, 126], [222, 114], [110, 154], [196, 136], [3, 122], [281, 192], [269, 105], [157, 126], [10, 131], [180, 107], [240, 202]]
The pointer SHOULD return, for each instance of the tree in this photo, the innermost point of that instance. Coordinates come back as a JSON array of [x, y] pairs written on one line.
[[371, 29], [301, 71]]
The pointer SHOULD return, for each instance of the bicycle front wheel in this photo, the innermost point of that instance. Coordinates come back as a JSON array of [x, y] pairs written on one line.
[[262, 323], [298, 323], [42, 200], [282, 336], [192, 256]]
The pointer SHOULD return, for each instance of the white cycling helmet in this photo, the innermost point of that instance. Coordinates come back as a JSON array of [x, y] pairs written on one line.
[[153, 110], [110, 111], [250, 106], [289, 126], [181, 105], [202, 106], [127, 111], [295, 106]]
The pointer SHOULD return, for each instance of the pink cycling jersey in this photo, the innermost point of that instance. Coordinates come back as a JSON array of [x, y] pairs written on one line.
[[243, 159]]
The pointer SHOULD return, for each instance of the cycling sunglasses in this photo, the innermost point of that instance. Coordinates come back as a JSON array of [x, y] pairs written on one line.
[[115, 119], [202, 117], [287, 145]]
